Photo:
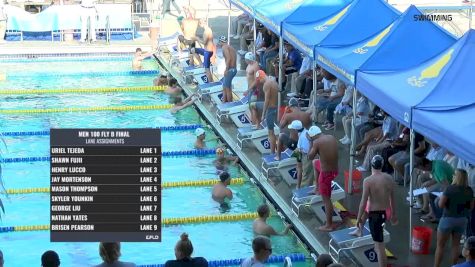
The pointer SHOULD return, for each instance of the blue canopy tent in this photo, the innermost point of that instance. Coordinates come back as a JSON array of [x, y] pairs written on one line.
[[247, 5], [357, 21], [422, 41], [272, 13], [306, 14]]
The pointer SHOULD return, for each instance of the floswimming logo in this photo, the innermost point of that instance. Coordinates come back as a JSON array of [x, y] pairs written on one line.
[[374, 42], [432, 71], [332, 21], [432, 17], [292, 4]]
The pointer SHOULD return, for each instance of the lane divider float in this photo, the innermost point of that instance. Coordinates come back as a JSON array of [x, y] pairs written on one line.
[[165, 221], [163, 128], [81, 90], [83, 74], [85, 109], [195, 183]]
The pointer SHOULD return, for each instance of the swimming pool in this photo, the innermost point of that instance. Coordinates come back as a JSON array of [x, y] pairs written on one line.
[[25, 248]]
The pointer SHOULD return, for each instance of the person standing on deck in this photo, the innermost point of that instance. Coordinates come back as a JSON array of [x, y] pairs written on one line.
[[256, 103], [326, 169], [166, 8], [88, 12], [378, 189], [229, 54], [269, 111]]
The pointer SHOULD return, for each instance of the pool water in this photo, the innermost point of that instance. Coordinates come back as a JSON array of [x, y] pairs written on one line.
[[214, 241]]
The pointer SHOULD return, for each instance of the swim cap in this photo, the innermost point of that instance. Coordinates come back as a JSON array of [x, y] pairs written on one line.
[[50, 258], [199, 132], [296, 125], [224, 176], [164, 74], [314, 130], [260, 75], [223, 39], [250, 56], [219, 150], [377, 162]]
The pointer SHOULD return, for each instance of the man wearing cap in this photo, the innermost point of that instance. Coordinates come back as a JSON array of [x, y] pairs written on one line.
[[161, 80], [222, 161], [293, 112], [229, 54], [468, 252], [378, 189], [289, 138], [305, 170], [221, 192], [50, 259], [269, 111], [256, 103], [200, 138], [326, 169], [251, 69]]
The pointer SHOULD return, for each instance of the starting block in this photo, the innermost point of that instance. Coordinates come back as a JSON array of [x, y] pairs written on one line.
[[286, 166], [258, 137], [228, 109], [360, 248], [305, 197], [241, 119]]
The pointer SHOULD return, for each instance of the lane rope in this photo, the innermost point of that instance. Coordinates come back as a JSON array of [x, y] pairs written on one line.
[[72, 59], [194, 183], [81, 90], [165, 221], [85, 109], [83, 74], [163, 128], [195, 152]]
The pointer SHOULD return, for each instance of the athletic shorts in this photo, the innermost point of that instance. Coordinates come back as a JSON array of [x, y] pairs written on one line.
[[324, 179], [271, 118], [206, 56], [376, 220], [388, 211], [450, 225], [259, 105], [228, 78]]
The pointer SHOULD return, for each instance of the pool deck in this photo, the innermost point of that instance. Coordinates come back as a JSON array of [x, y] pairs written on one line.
[[276, 190]]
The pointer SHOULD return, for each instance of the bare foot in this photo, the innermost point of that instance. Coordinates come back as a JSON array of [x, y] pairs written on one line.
[[326, 228], [277, 158], [357, 232]]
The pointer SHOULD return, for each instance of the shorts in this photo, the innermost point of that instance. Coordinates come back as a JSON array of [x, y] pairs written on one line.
[[259, 105], [388, 211], [206, 56], [452, 225], [271, 118], [289, 143], [228, 78], [376, 220], [324, 179]]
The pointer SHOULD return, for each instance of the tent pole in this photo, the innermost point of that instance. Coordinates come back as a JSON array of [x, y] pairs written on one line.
[[353, 144], [255, 37], [281, 58], [229, 22], [314, 76], [411, 168]]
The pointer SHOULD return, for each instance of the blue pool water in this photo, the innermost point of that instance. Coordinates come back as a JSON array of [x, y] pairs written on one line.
[[215, 241]]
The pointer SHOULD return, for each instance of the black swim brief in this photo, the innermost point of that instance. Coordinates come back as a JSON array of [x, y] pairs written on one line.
[[376, 220]]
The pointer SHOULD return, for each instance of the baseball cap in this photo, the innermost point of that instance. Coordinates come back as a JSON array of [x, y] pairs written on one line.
[[260, 75], [199, 132], [223, 39], [250, 56], [293, 102], [296, 125], [377, 162], [314, 130]]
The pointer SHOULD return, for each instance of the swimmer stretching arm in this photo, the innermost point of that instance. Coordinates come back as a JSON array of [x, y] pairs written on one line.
[[186, 103]]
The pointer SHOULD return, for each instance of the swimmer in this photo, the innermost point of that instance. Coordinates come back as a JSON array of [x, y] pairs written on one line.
[[221, 192], [260, 226], [161, 80], [179, 104], [222, 161], [200, 138], [174, 91], [138, 58]]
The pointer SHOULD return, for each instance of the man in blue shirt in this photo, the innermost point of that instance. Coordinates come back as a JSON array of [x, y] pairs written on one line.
[[294, 59], [468, 252]]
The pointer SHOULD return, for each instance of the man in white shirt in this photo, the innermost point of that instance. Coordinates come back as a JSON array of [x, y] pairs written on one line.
[[305, 170], [88, 12]]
